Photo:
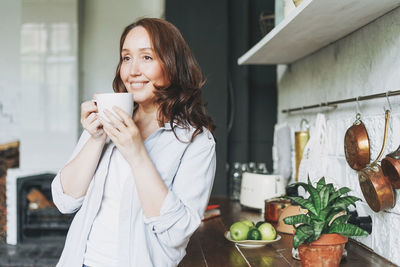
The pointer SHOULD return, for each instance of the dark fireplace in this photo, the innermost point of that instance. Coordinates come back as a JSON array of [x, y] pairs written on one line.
[[37, 217]]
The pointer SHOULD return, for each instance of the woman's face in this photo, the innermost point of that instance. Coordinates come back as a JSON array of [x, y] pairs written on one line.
[[141, 70]]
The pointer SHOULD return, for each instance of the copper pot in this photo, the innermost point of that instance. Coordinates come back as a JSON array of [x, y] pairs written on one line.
[[375, 186], [356, 145], [391, 168], [273, 208]]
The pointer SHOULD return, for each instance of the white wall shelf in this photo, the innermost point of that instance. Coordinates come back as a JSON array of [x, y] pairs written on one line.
[[312, 25]]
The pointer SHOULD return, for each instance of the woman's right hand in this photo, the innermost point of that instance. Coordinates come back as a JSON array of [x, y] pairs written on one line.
[[90, 121]]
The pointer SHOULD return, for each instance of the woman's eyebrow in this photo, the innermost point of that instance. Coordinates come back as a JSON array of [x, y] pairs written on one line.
[[146, 49], [140, 49]]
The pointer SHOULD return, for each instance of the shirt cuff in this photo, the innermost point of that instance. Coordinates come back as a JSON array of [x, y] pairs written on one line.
[[172, 210], [64, 202]]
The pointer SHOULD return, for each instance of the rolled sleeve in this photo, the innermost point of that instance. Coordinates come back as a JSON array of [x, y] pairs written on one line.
[[64, 203], [184, 205], [171, 211]]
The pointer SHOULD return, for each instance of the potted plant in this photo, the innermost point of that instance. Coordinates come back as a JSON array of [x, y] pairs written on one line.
[[323, 231]]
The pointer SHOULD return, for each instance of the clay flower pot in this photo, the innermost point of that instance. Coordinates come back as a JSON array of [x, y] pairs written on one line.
[[325, 252]]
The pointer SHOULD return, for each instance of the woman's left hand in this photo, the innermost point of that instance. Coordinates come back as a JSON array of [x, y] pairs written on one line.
[[124, 134]]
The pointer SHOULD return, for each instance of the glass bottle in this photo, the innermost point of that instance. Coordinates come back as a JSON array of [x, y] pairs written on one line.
[[235, 180], [252, 167], [262, 168]]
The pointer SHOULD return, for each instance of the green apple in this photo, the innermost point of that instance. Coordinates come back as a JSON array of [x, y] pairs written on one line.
[[239, 231], [248, 223], [267, 231], [259, 223]]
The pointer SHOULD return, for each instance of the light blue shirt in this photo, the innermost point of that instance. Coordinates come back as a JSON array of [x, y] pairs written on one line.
[[188, 171]]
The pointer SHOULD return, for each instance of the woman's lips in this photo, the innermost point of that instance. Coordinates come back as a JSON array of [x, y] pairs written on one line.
[[137, 85]]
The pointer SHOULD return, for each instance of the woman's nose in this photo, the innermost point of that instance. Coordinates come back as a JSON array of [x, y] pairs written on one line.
[[134, 68]]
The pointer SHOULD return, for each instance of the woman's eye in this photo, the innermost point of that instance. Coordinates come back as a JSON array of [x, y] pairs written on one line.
[[147, 57], [125, 58]]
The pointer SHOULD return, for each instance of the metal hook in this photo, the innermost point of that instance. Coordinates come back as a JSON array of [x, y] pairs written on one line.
[[387, 98], [358, 105], [307, 124]]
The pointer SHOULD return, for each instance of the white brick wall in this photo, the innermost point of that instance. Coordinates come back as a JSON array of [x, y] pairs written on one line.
[[365, 62]]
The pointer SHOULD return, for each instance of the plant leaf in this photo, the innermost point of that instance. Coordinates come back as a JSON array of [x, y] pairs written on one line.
[[344, 202], [320, 184], [348, 230], [333, 213], [318, 227], [324, 196], [324, 213], [302, 218], [315, 199], [331, 188], [340, 220], [338, 193], [306, 204], [303, 232]]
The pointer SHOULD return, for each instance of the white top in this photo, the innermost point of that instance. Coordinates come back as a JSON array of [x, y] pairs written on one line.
[[102, 243], [187, 170]]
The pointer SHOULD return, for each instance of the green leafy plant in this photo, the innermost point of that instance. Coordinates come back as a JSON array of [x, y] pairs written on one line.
[[326, 213]]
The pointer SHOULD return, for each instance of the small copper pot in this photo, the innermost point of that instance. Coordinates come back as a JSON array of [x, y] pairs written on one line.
[[391, 167], [375, 186], [273, 209], [356, 145]]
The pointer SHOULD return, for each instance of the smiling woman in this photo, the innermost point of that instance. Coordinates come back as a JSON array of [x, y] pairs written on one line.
[[141, 70], [178, 90], [137, 205]]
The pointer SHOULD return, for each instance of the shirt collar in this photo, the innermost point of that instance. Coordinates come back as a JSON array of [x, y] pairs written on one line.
[[167, 126]]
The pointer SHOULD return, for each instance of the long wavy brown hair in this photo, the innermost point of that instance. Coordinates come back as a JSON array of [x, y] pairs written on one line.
[[180, 103]]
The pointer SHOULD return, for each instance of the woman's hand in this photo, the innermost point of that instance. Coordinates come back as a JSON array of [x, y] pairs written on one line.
[[90, 121], [124, 134]]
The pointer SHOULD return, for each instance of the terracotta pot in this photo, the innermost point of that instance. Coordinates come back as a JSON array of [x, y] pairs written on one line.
[[325, 252]]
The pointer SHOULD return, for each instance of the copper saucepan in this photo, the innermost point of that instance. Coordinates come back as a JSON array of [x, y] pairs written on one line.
[[375, 186], [356, 145], [391, 167]]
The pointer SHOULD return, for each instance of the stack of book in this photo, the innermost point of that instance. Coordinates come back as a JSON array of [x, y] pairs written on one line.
[[211, 212]]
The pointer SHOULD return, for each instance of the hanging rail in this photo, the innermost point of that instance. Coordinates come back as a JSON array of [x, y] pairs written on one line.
[[348, 100]]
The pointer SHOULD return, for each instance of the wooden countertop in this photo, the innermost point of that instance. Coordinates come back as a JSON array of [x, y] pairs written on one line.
[[208, 246]]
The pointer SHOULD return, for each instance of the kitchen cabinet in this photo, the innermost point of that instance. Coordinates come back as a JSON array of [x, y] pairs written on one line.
[[312, 25]]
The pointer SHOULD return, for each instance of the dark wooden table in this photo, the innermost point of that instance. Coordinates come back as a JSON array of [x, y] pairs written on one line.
[[208, 246]]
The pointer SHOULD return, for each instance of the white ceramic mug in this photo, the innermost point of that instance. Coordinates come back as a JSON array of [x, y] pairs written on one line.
[[107, 101]]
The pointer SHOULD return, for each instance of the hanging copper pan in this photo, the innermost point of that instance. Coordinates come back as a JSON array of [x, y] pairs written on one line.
[[391, 163], [391, 168], [356, 145], [375, 186]]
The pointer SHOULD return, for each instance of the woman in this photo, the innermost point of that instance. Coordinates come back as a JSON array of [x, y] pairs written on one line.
[[141, 196]]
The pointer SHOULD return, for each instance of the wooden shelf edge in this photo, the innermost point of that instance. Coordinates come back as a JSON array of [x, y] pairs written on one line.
[[314, 24]]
